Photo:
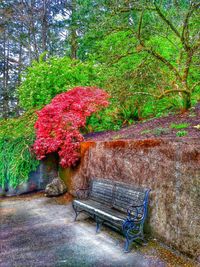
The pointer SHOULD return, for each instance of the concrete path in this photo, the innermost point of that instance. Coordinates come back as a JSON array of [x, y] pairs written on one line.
[[37, 231]]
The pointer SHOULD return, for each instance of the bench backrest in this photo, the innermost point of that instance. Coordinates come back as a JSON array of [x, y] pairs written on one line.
[[125, 196], [102, 191], [117, 195]]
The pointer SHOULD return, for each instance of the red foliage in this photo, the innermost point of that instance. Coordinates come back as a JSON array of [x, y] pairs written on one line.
[[58, 124]]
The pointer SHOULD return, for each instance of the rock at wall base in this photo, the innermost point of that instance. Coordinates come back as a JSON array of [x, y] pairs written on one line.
[[56, 188]]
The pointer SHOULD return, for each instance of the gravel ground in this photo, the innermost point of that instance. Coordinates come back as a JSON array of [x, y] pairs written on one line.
[[37, 231]]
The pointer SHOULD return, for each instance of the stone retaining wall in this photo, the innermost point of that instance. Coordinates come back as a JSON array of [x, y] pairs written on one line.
[[170, 168]]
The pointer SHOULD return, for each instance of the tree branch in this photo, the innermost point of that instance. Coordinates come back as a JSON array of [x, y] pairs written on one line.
[[165, 61], [117, 58], [167, 92], [169, 23], [194, 85], [140, 27], [185, 32], [154, 53], [163, 94], [144, 93], [187, 65]]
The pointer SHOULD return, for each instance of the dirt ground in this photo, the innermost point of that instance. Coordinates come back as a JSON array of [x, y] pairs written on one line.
[[37, 231], [174, 126]]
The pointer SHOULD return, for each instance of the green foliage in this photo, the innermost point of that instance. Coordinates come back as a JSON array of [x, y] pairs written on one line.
[[157, 131], [116, 137], [106, 119], [160, 131], [129, 66], [117, 61], [129, 111], [181, 133], [179, 126], [114, 116], [16, 159], [45, 79], [147, 131]]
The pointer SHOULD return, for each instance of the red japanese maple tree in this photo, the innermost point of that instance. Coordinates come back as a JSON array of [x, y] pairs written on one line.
[[58, 124]]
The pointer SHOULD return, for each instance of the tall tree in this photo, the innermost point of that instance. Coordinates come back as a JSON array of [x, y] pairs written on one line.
[[73, 30], [151, 47], [27, 29]]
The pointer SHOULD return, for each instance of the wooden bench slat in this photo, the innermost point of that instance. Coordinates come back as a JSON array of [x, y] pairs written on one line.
[[102, 191]]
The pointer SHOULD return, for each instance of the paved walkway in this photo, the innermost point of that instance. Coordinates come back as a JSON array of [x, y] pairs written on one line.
[[37, 231]]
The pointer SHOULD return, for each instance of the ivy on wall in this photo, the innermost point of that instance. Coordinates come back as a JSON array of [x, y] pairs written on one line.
[[16, 159]]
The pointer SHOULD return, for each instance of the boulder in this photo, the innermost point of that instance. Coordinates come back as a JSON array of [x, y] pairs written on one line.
[[55, 188]]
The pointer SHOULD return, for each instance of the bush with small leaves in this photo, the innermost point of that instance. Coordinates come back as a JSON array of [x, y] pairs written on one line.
[[58, 124], [181, 133]]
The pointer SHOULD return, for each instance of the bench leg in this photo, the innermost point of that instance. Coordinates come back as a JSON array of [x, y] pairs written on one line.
[[126, 245], [76, 213], [144, 241], [98, 225], [131, 232]]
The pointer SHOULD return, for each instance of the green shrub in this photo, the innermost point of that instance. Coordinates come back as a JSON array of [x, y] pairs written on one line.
[[181, 133], [106, 119], [160, 131], [147, 131], [180, 125], [43, 80]]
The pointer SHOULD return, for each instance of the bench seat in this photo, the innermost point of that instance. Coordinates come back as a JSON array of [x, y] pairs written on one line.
[[104, 212]]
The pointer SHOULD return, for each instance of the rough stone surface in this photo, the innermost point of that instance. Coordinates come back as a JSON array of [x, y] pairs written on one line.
[[170, 168], [39, 232], [55, 188]]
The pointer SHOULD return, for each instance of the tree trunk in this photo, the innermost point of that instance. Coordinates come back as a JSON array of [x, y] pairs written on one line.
[[5, 78], [187, 100], [44, 27], [73, 37]]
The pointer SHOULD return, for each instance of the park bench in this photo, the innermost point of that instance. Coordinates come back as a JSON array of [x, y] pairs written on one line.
[[117, 204]]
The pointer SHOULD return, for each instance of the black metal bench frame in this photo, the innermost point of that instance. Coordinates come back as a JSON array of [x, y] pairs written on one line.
[[136, 212]]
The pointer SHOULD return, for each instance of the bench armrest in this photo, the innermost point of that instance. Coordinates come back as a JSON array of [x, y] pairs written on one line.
[[82, 193], [136, 213]]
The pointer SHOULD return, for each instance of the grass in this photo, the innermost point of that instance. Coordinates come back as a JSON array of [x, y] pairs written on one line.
[[160, 131], [181, 133], [147, 131], [179, 126], [116, 137], [157, 131]]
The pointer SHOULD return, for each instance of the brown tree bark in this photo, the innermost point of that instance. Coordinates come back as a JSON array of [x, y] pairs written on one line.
[[44, 26], [6, 52], [73, 30]]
